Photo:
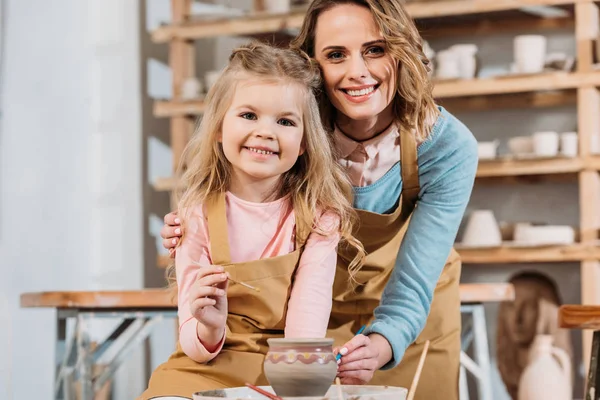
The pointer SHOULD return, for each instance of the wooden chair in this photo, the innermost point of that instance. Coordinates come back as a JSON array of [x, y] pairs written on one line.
[[474, 332], [139, 311], [585, 317]]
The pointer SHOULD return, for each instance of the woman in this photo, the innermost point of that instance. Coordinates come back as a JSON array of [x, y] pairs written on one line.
[[412, 165]]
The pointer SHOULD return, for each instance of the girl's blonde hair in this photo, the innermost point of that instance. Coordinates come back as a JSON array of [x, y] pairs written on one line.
[[414, 107], [316, 183]]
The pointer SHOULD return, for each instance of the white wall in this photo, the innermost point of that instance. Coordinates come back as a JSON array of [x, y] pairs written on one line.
[[70, 202]]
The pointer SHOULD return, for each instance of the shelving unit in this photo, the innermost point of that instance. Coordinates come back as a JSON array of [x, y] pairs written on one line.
[[447, 18]]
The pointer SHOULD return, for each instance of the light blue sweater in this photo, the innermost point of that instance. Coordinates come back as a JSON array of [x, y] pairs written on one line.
[[447, 167]]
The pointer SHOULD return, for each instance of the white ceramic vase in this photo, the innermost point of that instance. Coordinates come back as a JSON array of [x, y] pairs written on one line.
[[548, 374]]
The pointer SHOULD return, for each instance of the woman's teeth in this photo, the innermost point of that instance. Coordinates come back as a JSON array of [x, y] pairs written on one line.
[[260, 151], [361, 92]]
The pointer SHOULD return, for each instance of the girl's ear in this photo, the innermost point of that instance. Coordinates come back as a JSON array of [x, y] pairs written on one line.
[[220, 137], [302, 149]]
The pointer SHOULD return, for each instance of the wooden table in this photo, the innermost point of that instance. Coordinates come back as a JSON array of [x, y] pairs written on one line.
[[139, 312], [585, 317]]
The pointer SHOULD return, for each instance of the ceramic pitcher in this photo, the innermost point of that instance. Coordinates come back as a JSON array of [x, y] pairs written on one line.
[[548, 364]]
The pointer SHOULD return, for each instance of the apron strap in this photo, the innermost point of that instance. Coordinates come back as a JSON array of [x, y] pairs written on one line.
[[217, 230], [410, 173]]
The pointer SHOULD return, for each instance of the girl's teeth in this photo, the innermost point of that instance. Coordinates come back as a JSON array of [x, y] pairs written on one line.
[[260, 151], [361, 92]]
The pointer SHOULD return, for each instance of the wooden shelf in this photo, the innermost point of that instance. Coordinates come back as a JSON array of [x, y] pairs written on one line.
[[542, 90], [164, 108], [262, 22], [515, 84], [164, 184], [502, 255], [548, 166]]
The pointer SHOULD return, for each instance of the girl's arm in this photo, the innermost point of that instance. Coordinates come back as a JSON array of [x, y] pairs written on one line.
[[447, 168], [196, 342], [309, 306]]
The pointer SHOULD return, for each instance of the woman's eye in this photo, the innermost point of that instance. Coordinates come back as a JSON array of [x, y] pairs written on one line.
[[286, 122], [375, 50], [248, 115]]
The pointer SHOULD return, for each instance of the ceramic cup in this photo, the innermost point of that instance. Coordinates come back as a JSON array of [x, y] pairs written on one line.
[[520, 145], [529, 53], [482, 230], [300, 367], [191, 88], [277, 6], [487, 150], [545, 144], [568, 144], [448, 65], [467, 61], [210, 78]]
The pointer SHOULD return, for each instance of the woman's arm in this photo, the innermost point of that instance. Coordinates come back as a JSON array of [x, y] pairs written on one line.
[[447, 168], [309, 307]]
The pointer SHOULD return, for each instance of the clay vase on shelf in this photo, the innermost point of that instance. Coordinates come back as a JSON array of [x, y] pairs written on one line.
[[548, 374], [533, 312], [300, 367]]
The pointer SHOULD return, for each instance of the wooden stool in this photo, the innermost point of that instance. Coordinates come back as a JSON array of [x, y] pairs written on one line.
[[472, 297], [140, 311], [585, 317]]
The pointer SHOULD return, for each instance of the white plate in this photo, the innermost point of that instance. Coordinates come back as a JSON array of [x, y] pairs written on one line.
[[357, 392]]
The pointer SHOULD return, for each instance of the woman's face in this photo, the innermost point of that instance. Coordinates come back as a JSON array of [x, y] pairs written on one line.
[[359, 74]]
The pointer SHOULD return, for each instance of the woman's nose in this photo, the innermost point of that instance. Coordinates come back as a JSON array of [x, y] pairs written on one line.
[[358, 68]]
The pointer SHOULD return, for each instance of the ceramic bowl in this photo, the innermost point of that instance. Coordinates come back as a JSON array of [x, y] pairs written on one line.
[[300, 367], [354, 392]]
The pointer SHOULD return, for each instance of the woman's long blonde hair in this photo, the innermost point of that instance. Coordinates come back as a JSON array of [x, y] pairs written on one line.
[[414, 107], [316, 183]]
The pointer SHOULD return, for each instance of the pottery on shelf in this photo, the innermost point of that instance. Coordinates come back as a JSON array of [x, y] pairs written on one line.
[[482, 230], [548, 374], [300, 367]]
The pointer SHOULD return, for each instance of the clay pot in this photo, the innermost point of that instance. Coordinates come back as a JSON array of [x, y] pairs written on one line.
[[300, 367]]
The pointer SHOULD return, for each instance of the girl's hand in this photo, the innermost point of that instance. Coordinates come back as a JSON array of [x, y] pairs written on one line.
[[359, 361], [171, 232], [208, 300]]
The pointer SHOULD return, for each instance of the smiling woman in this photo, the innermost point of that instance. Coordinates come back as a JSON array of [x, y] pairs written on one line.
[[412, 166]]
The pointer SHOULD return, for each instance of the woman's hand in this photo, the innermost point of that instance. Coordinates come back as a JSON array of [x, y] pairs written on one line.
[[361, 357], [171, 232], [358, 362], [208, 303]]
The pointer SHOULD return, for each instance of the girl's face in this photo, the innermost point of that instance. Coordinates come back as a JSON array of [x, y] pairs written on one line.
[[359, 74], [262, 130]]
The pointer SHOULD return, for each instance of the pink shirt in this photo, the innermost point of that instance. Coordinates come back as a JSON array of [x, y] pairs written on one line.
[[309, 306], [367, 161]]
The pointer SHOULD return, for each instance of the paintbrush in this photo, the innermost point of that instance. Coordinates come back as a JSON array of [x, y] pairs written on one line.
[[234, 281]]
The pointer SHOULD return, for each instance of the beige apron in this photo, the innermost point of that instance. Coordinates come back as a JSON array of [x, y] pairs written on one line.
[[253, 318], [381, 235]]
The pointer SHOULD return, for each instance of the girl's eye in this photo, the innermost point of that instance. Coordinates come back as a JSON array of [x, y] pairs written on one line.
[[248, 115], [335, 55], [286, 122]]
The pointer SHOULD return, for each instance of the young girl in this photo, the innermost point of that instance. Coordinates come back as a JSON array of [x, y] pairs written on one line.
[[264, 207]]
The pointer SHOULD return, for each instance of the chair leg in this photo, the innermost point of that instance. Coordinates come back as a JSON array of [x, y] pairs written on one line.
[[592, 391], [482, 353]]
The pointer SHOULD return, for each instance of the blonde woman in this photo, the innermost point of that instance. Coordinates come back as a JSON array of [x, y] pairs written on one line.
[[264, 204], [412, 165]]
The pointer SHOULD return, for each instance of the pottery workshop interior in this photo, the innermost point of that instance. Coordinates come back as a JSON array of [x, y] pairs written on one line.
[[480, 268]]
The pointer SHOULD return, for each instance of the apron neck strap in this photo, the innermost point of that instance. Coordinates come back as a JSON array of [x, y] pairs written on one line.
[[217, 230], [410, 172]]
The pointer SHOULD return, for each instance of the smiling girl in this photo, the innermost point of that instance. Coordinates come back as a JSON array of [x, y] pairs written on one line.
[[264, 204]]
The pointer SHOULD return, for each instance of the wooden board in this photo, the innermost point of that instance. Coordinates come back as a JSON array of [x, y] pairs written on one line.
[[579, 316], [486, 292], [505, 255]]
